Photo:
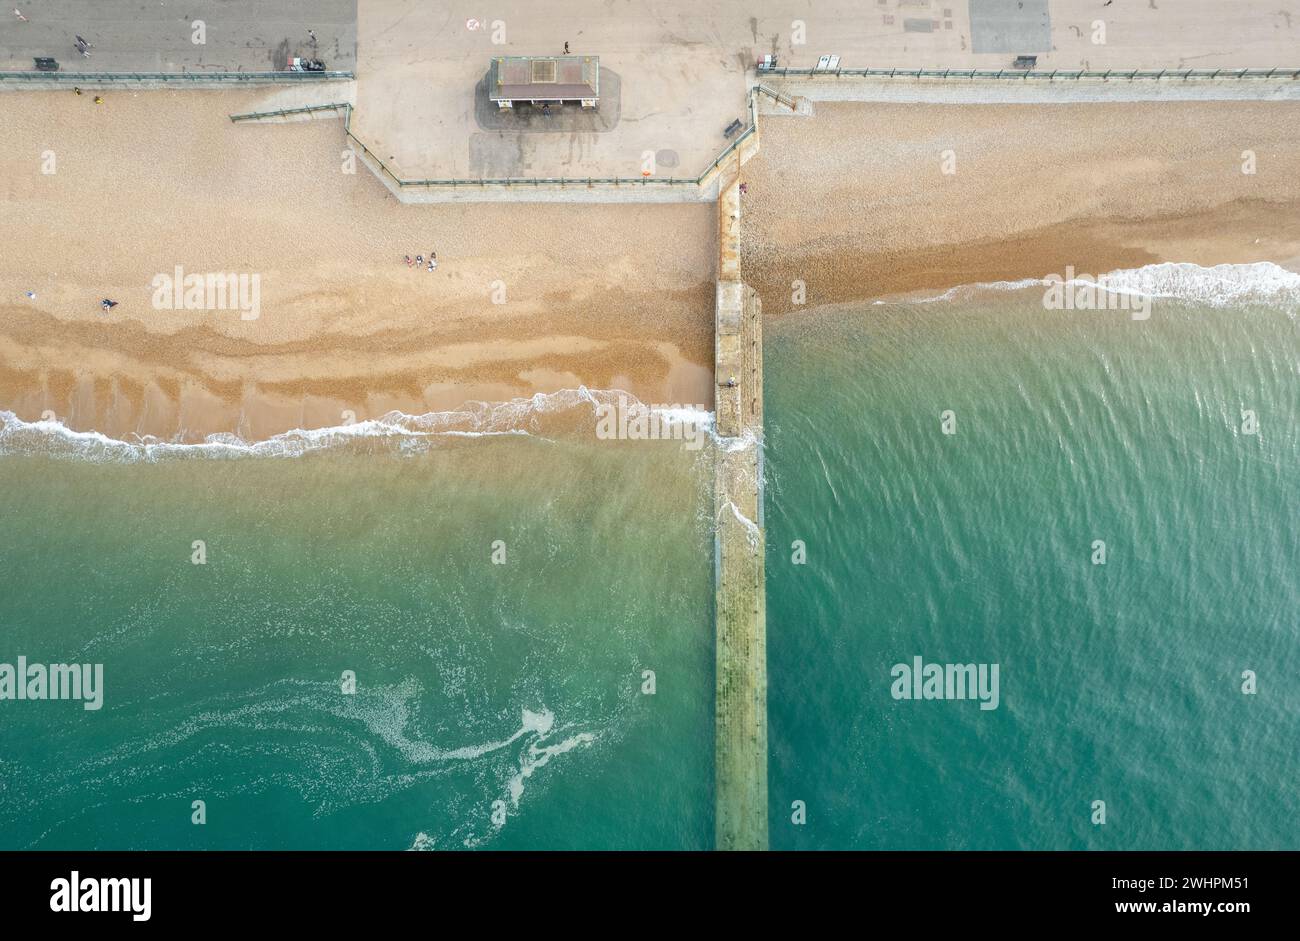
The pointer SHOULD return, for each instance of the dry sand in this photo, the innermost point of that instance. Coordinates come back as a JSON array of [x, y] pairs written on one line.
[[606, 296], [854, 201]]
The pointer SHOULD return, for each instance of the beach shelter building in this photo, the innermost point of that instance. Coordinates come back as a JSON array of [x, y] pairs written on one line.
[[541, 80]]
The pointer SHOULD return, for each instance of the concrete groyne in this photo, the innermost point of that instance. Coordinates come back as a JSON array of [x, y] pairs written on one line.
[[740, 594]]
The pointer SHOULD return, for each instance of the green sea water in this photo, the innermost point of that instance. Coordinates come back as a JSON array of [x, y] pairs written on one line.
[[1119, 682], [502, 706], [512, 688]]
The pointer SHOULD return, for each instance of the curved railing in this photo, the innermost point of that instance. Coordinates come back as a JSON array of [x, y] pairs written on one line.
[[383, 170]]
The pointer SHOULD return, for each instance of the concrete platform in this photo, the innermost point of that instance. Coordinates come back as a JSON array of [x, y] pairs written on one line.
[[678, 70], [670, 84]]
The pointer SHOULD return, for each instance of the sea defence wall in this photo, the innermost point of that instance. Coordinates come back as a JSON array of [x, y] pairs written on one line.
[[51, 81], [936, 87], [652, 189], [740, 593]]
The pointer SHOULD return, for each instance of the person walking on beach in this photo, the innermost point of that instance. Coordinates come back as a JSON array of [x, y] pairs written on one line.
[[566, 48], [419, 261], [408, 261], [433, 260]]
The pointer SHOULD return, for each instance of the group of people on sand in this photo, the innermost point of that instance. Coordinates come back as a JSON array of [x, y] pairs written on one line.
[[419, 261]]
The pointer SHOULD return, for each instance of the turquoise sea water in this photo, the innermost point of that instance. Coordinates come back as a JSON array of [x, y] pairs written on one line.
[[522, 683], [1119, 682], [477, 682]]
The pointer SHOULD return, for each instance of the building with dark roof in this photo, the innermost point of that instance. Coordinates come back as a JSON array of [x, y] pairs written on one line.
[[545, 80]]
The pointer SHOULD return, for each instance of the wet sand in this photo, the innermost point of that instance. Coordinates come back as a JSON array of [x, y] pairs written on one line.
[[854, 202], [526, 298]]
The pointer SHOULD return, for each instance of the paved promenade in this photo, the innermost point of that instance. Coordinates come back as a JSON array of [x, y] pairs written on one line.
[[135, 36]]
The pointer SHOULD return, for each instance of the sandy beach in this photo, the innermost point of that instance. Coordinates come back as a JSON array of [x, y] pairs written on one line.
[[852, 201], [525, 298]]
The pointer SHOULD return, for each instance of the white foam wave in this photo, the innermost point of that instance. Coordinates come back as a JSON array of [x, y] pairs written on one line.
[[684, 415], [1216, 286], [388, 714], [538, 755], [752, 533], [422, 843], [742, 442], [528, 416]]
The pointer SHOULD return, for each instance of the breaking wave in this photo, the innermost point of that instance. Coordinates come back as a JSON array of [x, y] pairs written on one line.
[[542, 415], [1218, 286]]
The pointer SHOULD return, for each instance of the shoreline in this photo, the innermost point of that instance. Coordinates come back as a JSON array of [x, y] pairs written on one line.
[[526, 298], [511, 414], [1031, 190], [1091, 247], [601, 296], [541, 415]]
